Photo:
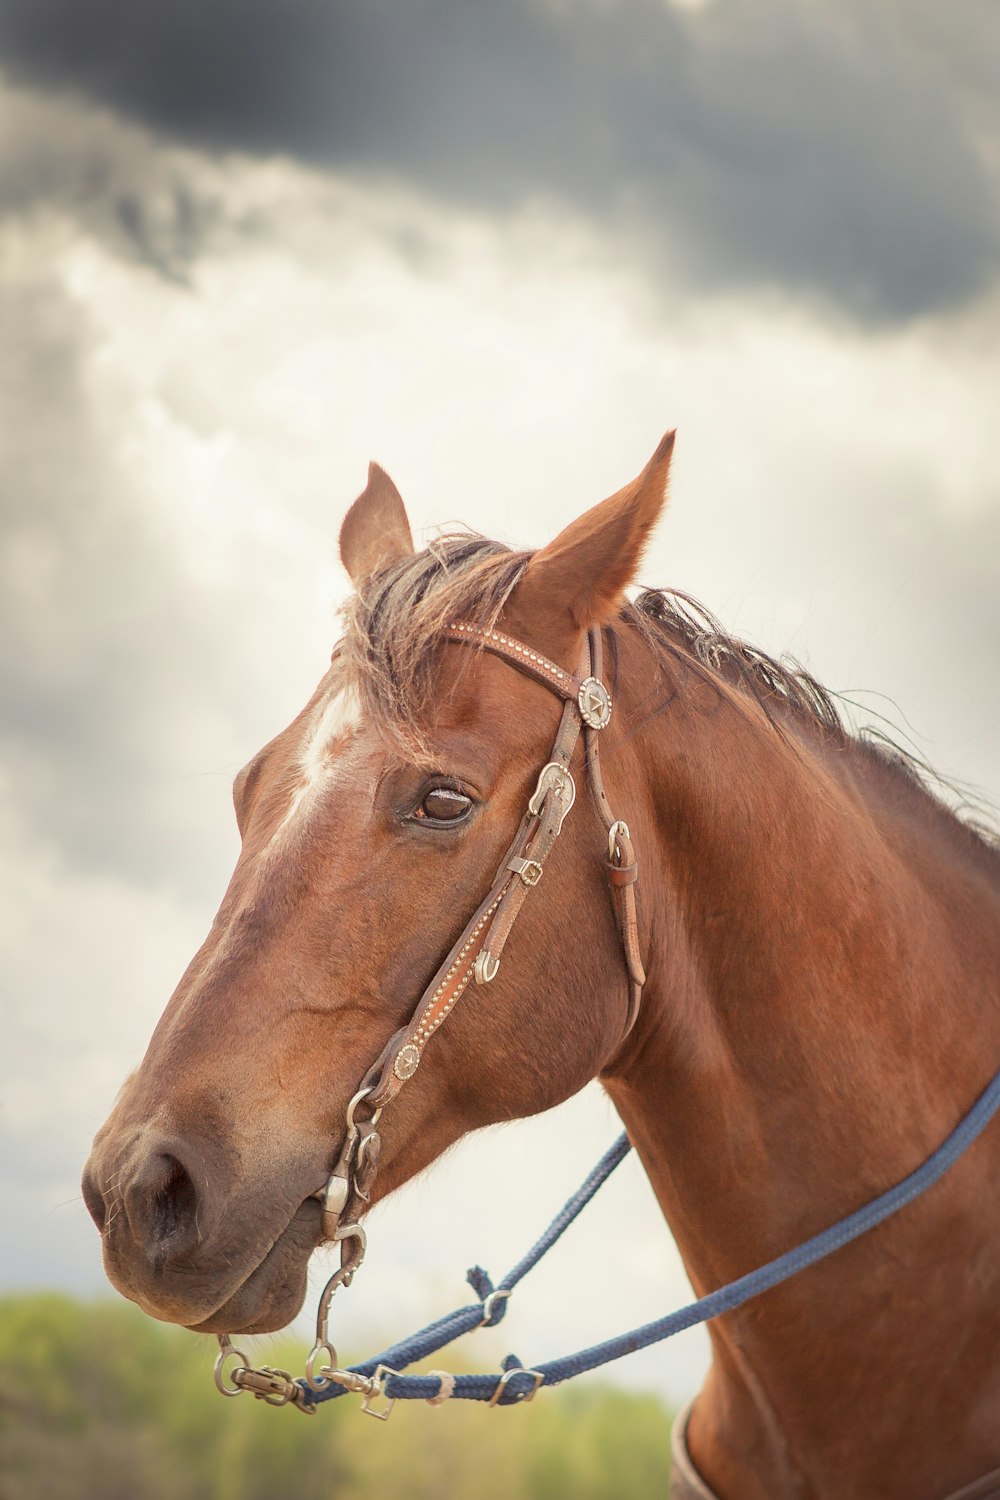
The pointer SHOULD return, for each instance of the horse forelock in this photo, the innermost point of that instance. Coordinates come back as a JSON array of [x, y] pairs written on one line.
[[395, 624]]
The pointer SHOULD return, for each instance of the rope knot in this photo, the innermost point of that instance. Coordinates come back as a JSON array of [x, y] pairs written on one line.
[[480, 1282]]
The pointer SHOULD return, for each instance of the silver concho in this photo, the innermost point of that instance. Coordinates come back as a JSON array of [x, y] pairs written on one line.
[[595, 703], [407, 1062]]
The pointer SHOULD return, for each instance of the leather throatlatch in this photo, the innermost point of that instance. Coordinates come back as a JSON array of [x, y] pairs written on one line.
[[475, 957]]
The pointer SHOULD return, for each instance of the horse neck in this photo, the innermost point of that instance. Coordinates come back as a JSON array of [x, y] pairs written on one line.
[[822, 1002]]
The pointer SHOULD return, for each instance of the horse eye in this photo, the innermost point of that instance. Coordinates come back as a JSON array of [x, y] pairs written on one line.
[[442, 804]]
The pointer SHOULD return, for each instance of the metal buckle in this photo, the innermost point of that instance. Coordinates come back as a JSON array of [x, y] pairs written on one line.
[[518, 1400], [556, 779], [487, 968], [529, 870], [616, 829]]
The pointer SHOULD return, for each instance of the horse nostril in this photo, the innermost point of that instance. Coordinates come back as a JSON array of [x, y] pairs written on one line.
[[94, 1199], [174, 1203], [160, 1206]]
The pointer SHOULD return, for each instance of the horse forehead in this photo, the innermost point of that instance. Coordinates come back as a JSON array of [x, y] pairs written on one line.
[[335, 714], [318, 758]]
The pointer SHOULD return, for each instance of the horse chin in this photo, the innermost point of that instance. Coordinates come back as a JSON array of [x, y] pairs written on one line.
[[275, 1290]]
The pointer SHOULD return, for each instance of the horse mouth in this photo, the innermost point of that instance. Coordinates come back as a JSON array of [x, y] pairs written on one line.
[[274, 1291]]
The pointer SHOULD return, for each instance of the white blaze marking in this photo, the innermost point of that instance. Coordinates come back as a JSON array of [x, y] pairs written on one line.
[[333, 715]]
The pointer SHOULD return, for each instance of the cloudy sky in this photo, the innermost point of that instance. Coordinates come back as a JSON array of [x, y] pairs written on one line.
[[246, 247]]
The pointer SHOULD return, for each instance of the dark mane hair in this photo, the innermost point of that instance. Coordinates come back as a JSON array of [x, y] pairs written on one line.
[[789, 693], [394, 623]]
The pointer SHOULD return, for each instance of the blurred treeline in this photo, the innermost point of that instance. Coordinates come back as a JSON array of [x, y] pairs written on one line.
[[98, 1402]]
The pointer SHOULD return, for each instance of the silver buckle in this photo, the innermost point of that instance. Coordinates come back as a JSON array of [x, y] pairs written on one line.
[[487, 968], [556, 779], [617, 829]]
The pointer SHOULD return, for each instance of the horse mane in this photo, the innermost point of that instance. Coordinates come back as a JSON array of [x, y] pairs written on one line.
[[789, 694], [394, 625]]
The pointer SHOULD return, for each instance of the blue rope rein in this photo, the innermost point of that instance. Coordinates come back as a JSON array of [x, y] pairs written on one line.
[[521, 1382]]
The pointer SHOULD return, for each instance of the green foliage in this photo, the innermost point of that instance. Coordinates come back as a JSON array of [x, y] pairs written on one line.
[[98, 1402]]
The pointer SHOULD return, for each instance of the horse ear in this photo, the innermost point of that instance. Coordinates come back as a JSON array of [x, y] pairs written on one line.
[[375, 531], [579, 579]]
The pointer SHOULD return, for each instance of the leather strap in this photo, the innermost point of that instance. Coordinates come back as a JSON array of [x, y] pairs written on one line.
[[622, 866], [685, 1481], [531, 663]]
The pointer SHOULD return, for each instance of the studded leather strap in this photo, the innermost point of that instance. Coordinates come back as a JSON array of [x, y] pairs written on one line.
[[532, 663]]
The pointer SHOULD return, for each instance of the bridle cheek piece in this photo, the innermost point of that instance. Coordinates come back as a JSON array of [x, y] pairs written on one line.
[[474, 956]]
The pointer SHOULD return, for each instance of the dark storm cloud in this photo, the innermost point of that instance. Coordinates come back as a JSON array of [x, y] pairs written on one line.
[[112, 749], [833, 148], [108, 178], [79, 577]]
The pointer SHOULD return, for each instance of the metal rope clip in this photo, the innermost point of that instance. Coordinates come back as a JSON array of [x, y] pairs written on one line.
[[526, 1396], [375, 1390], [488, 1301]]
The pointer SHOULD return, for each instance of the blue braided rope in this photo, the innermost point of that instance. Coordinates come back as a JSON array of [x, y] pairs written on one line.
[[522, 1382], [477, 1277], [450, 1327]]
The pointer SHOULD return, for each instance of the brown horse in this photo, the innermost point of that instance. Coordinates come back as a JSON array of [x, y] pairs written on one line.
[[821, 939]]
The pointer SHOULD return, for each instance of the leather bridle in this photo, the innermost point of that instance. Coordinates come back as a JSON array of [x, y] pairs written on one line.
[[476, 953]]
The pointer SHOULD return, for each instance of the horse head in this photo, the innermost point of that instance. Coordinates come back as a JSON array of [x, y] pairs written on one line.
[[371, 827]]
